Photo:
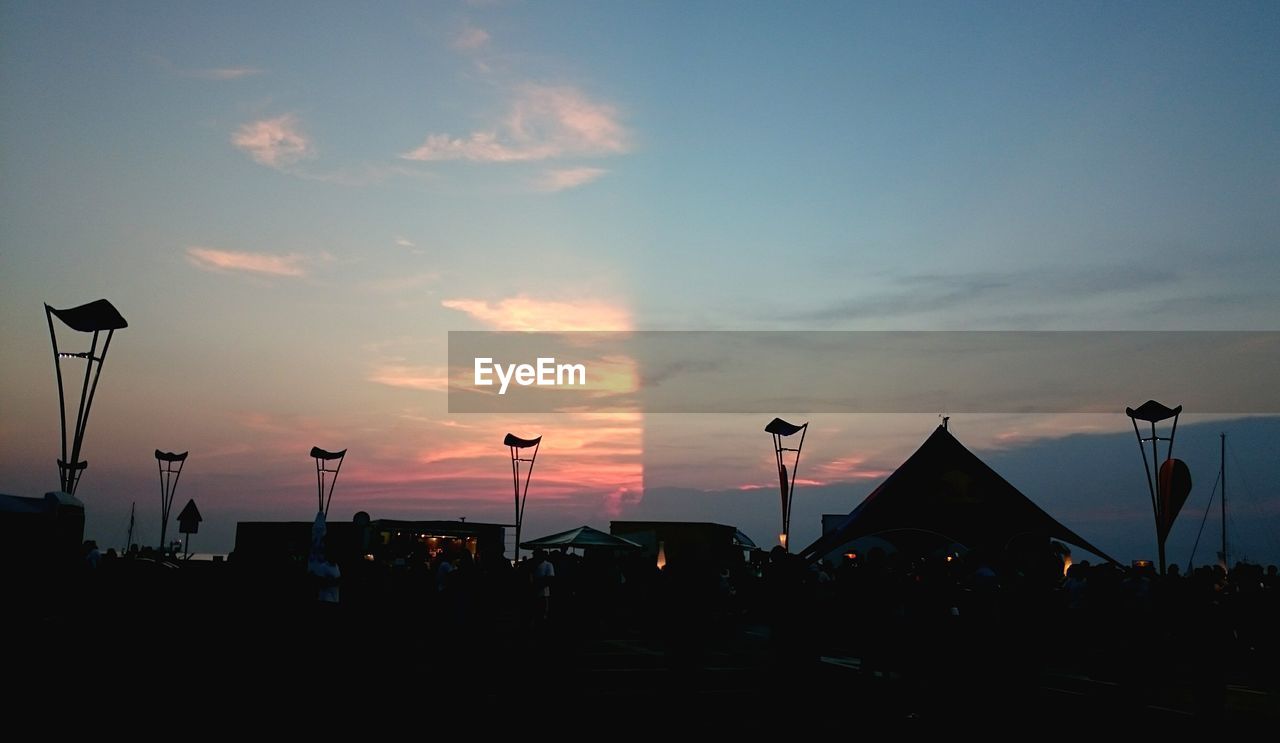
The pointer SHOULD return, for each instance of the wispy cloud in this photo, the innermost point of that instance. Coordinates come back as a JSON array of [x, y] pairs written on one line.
[[359, 175], [565, 178], [403, 242], [224, 73], [432, 379], [471, 38], [267, 264], [276, 143], [852, 467], [396, 284], [923, 293], [526, 313], [543, 123], [209, 73]]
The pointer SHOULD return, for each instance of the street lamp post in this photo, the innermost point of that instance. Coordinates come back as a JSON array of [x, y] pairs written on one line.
[[94, 317], [517, 447], [780, 430], [170, 467], [1168, 482]]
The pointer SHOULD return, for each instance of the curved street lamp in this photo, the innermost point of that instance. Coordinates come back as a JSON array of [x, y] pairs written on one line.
[[780, 430], [1168, 482], [170, 466], [94, 317], [517, 446], [323, 458]]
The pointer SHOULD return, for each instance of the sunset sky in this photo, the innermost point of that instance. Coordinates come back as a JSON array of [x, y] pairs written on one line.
[[293, 203]]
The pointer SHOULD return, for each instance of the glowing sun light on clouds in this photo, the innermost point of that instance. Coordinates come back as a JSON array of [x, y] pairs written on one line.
[[525, 313], [593, 460]]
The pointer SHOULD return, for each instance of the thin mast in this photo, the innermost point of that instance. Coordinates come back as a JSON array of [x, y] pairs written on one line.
[[1226, 563], [129, 537]]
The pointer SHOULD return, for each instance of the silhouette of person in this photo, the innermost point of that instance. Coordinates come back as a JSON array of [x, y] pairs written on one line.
[[544, 574]]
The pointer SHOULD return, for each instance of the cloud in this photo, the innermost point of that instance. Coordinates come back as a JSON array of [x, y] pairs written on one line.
[[362, 174], [852, 467], [225, 73], [402, 283], [403, 242], [526, 313], [911, 296], [432, 379], [276, 142], [923, 293], [566, 178], [208, 73], [268, 264], [543, 123], [471, 38]]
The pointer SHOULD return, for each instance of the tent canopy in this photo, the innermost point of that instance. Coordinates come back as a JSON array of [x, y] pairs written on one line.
[[945, 489], [583, 537], [742, 540]]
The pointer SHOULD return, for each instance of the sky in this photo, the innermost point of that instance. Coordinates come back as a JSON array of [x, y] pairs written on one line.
[[293, 204]]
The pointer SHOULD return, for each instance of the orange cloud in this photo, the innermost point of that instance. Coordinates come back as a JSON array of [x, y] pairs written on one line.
[[526, 313], [397, 468], [212, 259], [591, 460], [431, 379]]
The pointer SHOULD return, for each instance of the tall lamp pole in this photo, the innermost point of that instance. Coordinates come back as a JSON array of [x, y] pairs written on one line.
[[517, 447], [96, 318], [1168, 482], [780, 430], [170, 467]]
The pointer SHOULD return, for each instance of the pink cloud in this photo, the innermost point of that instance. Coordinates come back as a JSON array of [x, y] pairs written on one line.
[[543, 123], [851, 468], [566, 178], [526, 313], [471, 38], [582, 459], [276, 142], [212, 259]]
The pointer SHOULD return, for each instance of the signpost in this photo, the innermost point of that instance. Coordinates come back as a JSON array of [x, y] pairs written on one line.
[[188, 524]]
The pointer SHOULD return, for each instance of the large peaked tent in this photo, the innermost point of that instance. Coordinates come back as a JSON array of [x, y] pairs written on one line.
[[944, 489], [584, 537]]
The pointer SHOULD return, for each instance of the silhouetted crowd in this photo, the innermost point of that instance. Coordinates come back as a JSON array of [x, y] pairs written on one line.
[[953, 631]]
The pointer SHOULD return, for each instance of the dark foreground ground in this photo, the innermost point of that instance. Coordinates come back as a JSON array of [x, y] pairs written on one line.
[[227, 644]]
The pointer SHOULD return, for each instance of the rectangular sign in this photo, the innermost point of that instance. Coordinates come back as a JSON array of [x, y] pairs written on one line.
[[862, 371]]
